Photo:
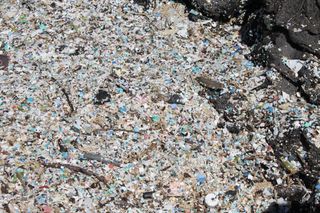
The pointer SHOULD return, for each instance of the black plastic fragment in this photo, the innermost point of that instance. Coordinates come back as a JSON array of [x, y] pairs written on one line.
[[147, 195]]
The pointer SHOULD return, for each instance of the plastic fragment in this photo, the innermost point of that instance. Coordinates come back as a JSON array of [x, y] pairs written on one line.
[[211, 200]]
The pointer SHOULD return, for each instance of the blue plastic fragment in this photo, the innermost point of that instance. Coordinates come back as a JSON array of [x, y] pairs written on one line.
[[269, 107], [196, 69], [41, 199], [120, 90], [205, 42], [109, 133], [232, 89], [30, 100], [81, 93], [174, 106], [65, 155], [123, 109], [201, 179], [248, 64]]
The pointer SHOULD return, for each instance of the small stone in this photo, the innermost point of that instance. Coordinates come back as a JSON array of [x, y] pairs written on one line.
[[209, 83], [175, 99], [90, 57], [102, 97], [4, 62]]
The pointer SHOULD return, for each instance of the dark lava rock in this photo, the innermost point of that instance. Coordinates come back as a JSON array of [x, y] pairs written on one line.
[[283, 28], [296, 146], [293, 192], [276, 29], [309, 84], [102, 97], [264, 85], [217, 9], [286, 86], [289, 146], [221, 102], [297, 20]]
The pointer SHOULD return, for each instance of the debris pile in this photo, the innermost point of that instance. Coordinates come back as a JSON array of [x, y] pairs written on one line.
[[132, 106]]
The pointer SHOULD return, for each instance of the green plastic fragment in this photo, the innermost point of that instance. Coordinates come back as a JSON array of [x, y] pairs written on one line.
[[23, 19], [7, 47], [43, 27], [307, 124], [155, 118]]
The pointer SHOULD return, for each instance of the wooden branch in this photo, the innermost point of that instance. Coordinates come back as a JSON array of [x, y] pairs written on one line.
[[75, 169]]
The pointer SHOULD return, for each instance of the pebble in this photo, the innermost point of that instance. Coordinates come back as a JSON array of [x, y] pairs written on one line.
[[209, 83], [102, 97]]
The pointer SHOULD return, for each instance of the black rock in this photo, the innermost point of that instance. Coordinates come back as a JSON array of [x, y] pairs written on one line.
[[292, 193], [144, 3], [298, 21], [175, 99], [102, 97], [309, 82], [284, 28], [196, 17], [233, 129], [286, 86], [221, 102], [290, 145], [217, 9]]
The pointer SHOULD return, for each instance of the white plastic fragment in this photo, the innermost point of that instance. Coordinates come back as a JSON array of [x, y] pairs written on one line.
[[294, 64], [211, 200]]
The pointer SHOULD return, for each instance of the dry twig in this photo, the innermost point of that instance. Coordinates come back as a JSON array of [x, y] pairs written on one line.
[[99, 158], [65, 94], [75, 169]]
